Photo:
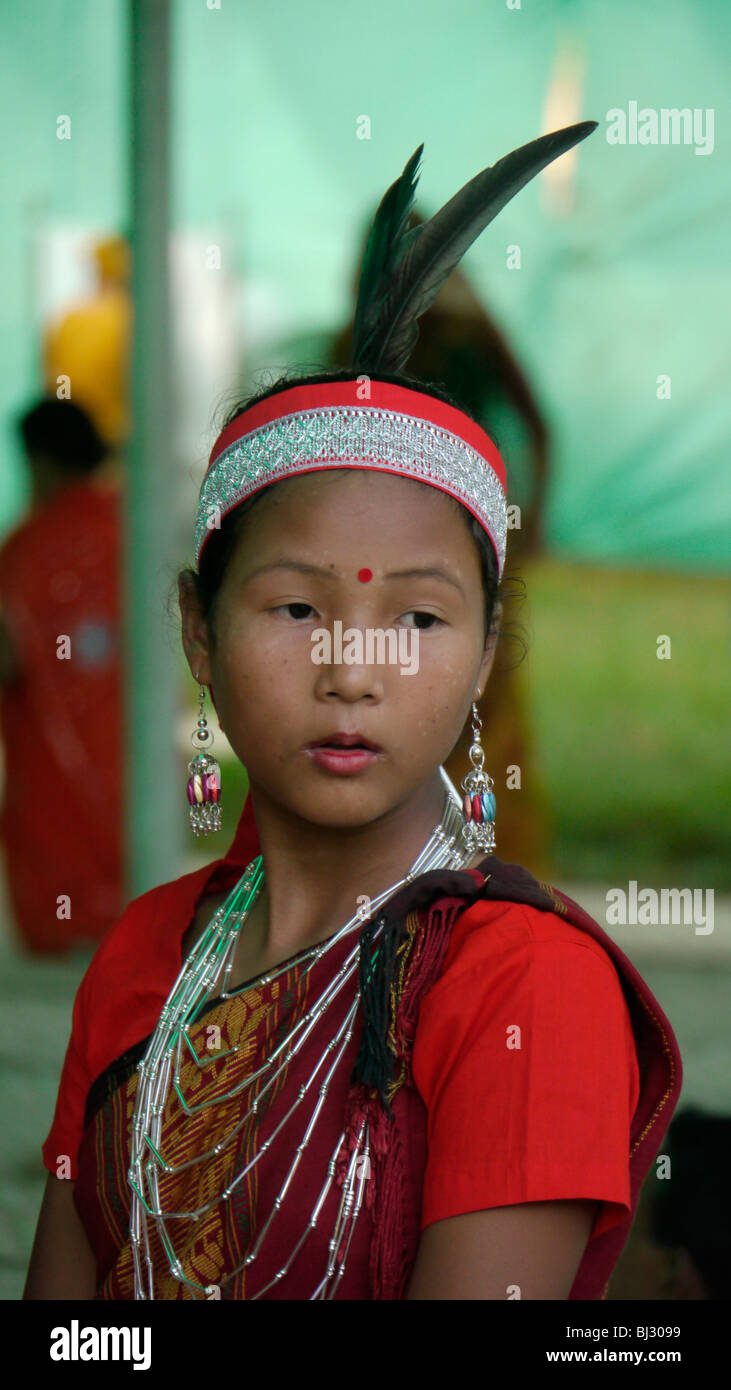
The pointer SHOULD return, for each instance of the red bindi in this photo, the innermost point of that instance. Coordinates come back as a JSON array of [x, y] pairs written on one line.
[[365, 575]]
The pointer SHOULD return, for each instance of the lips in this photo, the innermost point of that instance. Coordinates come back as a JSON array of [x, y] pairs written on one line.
[[344, 755], [340, 740]]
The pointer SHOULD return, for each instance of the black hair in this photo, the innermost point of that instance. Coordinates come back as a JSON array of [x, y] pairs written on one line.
[[221, 545], [64, 432]]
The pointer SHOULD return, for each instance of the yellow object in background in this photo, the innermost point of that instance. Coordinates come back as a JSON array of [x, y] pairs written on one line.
[[90, 345]]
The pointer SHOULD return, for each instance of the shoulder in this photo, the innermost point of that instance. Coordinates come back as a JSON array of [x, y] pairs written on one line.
[[527, 985], [136, 962], [149, 923], [490, 935], [119, 999]]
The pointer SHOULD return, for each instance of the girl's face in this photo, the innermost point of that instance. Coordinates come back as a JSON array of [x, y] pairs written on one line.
[[294, 570]]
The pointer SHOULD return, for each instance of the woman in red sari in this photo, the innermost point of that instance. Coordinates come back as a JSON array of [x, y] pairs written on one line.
[[359, 1057], [61, 688]]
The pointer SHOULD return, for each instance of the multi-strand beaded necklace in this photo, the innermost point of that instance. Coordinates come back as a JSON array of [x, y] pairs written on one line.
[[209, 962]]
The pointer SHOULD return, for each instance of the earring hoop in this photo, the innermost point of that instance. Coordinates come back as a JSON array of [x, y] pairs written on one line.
[[204, 777], [479, 805]]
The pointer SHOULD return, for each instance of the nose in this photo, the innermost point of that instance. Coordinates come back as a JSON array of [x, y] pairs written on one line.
[[340, 666]]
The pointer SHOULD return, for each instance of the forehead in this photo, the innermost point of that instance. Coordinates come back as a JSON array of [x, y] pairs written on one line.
[[361, 499], [348, 523]]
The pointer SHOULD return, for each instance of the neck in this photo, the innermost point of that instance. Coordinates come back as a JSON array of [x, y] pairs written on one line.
[[48, 485], [315, 878]]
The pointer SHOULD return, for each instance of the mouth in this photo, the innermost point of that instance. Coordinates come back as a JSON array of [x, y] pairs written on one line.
[[343, 755], [339, 742]]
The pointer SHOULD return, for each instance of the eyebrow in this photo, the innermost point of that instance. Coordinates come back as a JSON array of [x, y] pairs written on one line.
[[426, 572], [421, 572]]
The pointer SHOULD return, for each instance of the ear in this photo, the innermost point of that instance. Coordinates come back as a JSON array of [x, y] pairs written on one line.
[[488, 655], [195, 635]]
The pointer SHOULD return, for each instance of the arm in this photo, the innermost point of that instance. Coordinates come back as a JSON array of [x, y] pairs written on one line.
[[62, 1264], [484, 1254]]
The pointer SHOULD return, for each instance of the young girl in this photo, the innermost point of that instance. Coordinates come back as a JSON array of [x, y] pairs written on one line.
[[358, 1057]]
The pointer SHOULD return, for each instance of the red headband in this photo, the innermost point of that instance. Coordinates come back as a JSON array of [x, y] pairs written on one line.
[[360, 423]]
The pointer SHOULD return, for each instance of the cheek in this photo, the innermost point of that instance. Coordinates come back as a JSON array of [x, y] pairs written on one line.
[[446, 680], [449, 663], [258, 666], [440, 691]]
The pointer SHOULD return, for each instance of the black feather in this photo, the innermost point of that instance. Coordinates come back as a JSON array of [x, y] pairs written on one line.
[[404, 270], [386, 241]]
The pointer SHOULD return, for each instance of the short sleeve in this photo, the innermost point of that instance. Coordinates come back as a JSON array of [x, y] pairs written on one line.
[[524, 1057], [68, 1121]]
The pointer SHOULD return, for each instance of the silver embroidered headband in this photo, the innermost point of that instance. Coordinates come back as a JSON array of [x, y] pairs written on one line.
[[312, 427]]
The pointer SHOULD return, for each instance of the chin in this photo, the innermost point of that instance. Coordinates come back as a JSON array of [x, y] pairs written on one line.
[[342, 808]]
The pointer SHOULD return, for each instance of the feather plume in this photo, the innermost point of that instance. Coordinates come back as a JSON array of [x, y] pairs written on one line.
[[387, 239], [404, 268]]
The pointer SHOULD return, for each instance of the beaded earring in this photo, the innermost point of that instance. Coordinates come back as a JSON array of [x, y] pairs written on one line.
[[478, 807], [204, 780]]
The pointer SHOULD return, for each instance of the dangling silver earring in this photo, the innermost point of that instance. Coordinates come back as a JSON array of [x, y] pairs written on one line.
[[478, 808], [204, 780]]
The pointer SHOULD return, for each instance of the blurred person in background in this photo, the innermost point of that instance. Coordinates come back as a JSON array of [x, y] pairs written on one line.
[[689, 1216], [60, 687], [90, 345], [461, 347], [680, 1244], [690, 1213]]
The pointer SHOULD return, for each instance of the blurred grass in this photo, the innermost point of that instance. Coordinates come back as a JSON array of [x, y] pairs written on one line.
[[633, 750]]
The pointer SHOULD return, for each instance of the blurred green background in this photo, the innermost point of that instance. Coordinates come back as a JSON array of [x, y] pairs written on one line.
[[623, 283]]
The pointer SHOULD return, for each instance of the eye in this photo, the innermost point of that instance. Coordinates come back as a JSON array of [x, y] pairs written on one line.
[[284, 607], [419, 613]]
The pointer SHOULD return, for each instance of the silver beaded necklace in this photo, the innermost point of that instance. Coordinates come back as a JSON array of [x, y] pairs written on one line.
[[210, 961]]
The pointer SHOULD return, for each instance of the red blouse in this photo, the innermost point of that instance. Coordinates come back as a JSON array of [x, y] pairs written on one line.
[[524, 1056], [524, 1053]]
